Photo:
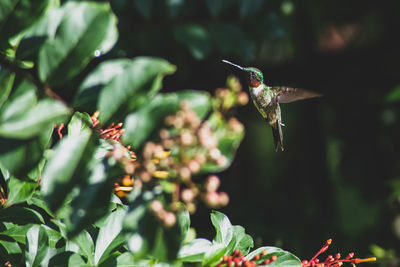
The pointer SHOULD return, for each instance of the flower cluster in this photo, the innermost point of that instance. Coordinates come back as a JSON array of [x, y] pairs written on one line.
[[237, 259], [188, 145], [333, 261]]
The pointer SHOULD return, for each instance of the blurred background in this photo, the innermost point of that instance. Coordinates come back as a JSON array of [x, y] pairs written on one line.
[[339, 175]]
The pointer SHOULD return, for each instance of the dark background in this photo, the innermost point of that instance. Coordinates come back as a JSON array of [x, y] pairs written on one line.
[[342, 150]]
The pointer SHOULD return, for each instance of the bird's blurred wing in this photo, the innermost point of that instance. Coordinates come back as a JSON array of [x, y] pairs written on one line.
[[288, 94]]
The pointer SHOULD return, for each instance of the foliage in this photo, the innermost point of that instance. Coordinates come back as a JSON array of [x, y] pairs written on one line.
[[58, 183]]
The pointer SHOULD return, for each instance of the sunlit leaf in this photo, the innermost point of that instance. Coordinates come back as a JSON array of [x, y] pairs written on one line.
[[37, 246], [20, 190], [62, 171], [108, 232], [284, 258], [87, 30], [133, 87], [45, 114], [16, 15], [195, 250]]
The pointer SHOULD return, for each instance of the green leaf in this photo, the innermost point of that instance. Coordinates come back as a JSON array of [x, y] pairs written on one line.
[[119, 86], [20, 215], [195, 250], [87, 30], [223, 227], [19, 157], [214, 255], [107, 234], [85, 245], [37, 200], [243, 241], [12, 252], [17, 232], [195, 38], [67, 259], [63, 170], [20, 190], [140, 124], [79, 122], [128, 90], [16, 15], [54, 236], [6, 83], [45, 114], [394, 95], [36, 36], [37, 246], [284, 258], [93, 200], [88, 92]]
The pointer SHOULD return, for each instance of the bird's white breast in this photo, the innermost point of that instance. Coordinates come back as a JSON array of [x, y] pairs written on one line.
[[257, 89]]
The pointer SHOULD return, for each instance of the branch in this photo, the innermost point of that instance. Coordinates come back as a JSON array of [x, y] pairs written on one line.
[[29, 76]]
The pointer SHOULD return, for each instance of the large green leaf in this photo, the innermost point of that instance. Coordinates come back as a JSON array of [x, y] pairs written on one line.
[[195, 38], [89, 91], [120, 86], [16, 15], [107, 234], [93, 200], [37, 246], [83, 245], [243, 241], [36, 36], [223, 227], [45, 114], [87, 30], [20, 190], [64, 169], [17, 232], [134, 87], [195, 250], [140, 124], [284, 258]]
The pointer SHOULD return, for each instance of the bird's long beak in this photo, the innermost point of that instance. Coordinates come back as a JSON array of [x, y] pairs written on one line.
[[230, 63]]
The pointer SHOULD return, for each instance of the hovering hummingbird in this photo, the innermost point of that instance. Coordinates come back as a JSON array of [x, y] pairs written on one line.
[[267, 99]]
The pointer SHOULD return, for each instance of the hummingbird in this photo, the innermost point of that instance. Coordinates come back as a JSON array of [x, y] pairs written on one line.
[[267, 99]]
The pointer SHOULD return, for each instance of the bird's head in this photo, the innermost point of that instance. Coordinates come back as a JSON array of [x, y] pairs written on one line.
[[254, 76]]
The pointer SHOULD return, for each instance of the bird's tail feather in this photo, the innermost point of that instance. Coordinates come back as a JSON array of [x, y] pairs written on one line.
[[278, 137]]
